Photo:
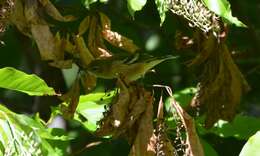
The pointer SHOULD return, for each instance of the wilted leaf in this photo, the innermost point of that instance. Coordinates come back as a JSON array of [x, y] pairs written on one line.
[[88, 81], [45, 41], [18, 18], [51, 10], [251, 148], [31, 12], [13, 79], [222, 8], [99, 47], [64, 64], [84, 25], [192, 139], [105, 21], [144, 132], [221, 84], [119, 41], [85, 56], [72, 99]]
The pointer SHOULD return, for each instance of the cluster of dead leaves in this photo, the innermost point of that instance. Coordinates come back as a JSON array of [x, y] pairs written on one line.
[[61, 51], [131, 116], [221, 83], [6, 8], [29, 17]]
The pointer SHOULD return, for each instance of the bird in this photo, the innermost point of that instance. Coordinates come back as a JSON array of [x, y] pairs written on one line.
[[130, 68]]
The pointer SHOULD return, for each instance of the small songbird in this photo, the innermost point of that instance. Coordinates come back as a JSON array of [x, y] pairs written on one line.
[[130, 68]]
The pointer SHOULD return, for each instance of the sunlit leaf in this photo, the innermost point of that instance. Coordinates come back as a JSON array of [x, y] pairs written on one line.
[[135, 5], [23, 136], [251, 148], [184, 97], [162, 7], [242, 127], [13, 79], [223, 9], [91, 107]]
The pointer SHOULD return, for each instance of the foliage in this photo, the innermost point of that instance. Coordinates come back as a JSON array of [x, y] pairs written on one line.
[[23, 135], [251, 147], [111, 97], [13, 79]]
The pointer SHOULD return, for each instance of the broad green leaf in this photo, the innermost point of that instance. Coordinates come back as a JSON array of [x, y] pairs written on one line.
[[162, 7], [23, 136], [184, 97], [91, 107], [13, 79], [223, 9], [135, 5], [251, 148], [242, 127], [208, 149]]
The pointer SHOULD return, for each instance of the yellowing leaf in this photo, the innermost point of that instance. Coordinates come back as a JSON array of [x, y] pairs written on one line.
[[84, 25], [51, 10], [45, 41]]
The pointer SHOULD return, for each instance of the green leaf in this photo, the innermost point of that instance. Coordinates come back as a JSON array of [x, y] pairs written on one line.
[[13, 79], [184, 97], [23, 136], [162, 7], [91, 107], [223, 9], [242, 127], [208, 149], [135, 5], [251, 148]]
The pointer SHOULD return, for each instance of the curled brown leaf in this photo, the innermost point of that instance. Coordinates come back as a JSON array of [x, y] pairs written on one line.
[[85, 55], [119, 41]]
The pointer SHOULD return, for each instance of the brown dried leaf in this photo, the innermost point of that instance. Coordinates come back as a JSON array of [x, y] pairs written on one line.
[[59, 53], [105, 21], [100, 48], [88, 81], [120, 107], [221, 84], [18, 18], [51, 10], [141, 143], [117, 114], [84, 25], [31, 12], [119, 41], [68, 46], [45, 41], [136, 107], [192, 139], [72, 97], [62, 64], [162, 144], [85, 56]]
